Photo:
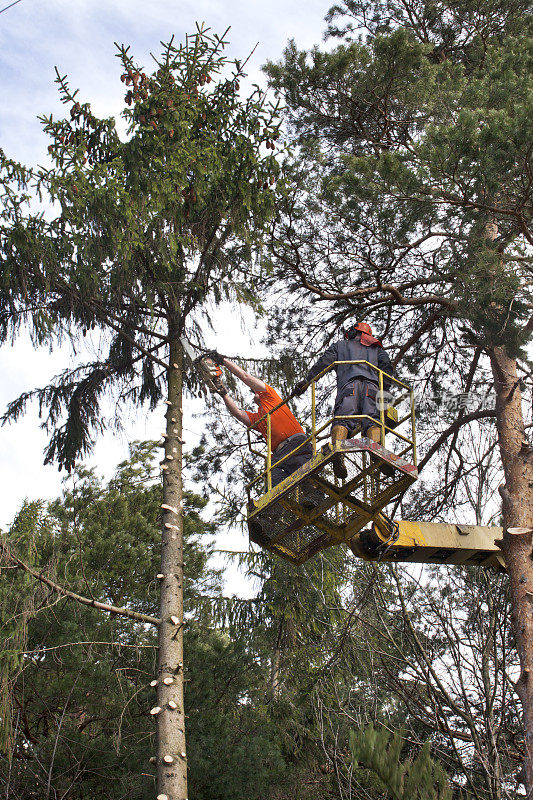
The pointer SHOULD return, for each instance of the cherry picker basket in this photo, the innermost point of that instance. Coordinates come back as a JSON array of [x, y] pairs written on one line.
[[312, 509]]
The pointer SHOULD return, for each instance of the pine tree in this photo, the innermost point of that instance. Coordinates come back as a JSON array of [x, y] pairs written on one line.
[[415, 213], [141, 231], [419, 779]]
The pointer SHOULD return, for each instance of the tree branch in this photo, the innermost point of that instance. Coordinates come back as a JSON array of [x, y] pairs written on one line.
[[459, 422], [123, 612]]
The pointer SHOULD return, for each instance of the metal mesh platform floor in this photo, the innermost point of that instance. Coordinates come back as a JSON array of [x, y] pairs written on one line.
[[312, 509]]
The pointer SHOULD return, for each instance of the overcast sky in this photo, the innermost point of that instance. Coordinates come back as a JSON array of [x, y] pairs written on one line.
[[78, 37]]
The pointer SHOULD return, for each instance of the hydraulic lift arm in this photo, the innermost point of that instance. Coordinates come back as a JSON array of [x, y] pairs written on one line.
[[430, 543]]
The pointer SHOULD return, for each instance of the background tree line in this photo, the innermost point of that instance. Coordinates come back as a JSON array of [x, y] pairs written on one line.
[[274, 684], [76, 720]]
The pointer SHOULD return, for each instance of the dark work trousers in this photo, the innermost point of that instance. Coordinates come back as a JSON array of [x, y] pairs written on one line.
[[292, 462], [358, 397]]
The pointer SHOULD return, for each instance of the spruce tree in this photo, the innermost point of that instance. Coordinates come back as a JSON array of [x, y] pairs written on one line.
[[140, 231]]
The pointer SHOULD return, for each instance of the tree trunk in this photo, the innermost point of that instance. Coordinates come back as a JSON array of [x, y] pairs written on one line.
[[517, 509], [275, 665], [171, 753]]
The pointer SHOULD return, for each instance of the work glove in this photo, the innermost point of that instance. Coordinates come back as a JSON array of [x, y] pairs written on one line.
[[215, 356], [220, 388], [300, 388]]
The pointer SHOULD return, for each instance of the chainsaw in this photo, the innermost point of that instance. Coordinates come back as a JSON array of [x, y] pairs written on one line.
[[205, 367]]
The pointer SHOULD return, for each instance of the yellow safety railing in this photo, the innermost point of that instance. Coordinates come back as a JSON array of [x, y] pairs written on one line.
[[408, 452]]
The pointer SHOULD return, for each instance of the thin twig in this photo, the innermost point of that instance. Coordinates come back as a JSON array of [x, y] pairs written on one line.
[[10, 6]]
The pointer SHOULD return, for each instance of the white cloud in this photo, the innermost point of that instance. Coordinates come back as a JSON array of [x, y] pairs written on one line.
[[77, 36]]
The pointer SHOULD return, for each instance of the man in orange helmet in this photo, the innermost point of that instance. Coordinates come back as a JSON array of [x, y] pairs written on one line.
[[285, 430], [357, 384]]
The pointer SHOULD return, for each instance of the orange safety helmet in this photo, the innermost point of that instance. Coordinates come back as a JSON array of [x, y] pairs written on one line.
[[363, 327]]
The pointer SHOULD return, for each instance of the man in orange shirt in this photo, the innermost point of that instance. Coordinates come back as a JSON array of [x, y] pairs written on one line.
[[286, 432]]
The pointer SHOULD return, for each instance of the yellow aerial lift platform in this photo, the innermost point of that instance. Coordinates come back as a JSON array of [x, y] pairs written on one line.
[[312, 509]]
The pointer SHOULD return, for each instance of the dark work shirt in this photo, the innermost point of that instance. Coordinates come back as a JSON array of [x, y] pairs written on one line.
[[353, 350]]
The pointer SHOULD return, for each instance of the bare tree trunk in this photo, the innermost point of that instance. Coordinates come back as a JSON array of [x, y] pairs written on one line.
[[171, 753], [517, 496], [275, 665]]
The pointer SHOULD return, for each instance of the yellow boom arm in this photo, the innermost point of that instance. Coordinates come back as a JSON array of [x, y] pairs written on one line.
[[430, 543]]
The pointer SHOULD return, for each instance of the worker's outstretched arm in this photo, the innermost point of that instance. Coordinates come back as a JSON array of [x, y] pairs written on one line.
[[235, 410], [255, 384], [324, 361]]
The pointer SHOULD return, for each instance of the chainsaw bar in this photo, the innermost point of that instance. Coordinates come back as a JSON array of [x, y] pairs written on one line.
[[205, 367]]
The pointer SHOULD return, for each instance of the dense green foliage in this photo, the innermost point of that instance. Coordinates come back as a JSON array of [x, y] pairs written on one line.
[[142, 227], [417, 134], [420, 779], [80, 685]]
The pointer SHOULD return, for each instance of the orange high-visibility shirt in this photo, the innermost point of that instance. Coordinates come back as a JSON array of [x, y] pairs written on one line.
[[283, 421]]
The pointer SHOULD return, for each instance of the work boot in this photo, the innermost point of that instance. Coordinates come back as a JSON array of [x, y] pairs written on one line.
[[374, 434], [338, 434]]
